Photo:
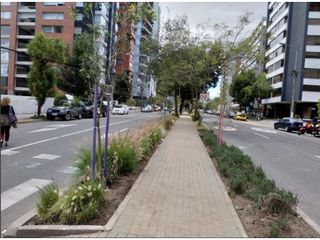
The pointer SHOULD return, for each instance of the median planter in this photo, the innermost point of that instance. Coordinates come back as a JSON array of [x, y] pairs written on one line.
[[264, 209], [34, 225]]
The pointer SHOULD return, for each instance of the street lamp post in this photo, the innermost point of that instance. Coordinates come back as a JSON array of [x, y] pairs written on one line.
[[294, 74]]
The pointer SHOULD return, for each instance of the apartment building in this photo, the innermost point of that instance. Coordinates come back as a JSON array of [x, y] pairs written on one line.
[[293, 58], [20, 21], [143, 83], [126, 46]]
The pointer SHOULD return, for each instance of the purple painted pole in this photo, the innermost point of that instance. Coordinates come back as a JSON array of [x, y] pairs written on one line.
[[105, 163], [93, 154]]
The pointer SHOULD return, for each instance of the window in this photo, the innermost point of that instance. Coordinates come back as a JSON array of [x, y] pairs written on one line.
[[27, 5], [26, 30], [5, 30], [4, 81], [79, 4], [314, 7], [21, 82], [5, 15], [22, 43], [308, 73], [53, 16], [313, 55], [24, 57], [4, 69], [313, 40], [52, 29], [4, 56], [77, 30], [26, 17], [314, 21], [53, 3], [5, 3], [79, 16], [311, 88], [22, 69]]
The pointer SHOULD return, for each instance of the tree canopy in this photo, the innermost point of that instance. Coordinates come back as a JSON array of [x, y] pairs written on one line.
[[47, 54]]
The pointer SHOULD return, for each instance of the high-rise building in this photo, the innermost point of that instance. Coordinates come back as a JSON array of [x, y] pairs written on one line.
[[293, 58], [143, 83], [21, 21]]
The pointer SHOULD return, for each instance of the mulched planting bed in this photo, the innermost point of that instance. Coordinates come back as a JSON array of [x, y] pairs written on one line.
[[113, 197]]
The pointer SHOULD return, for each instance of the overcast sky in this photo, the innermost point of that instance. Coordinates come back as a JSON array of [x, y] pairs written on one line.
[[214, 13]]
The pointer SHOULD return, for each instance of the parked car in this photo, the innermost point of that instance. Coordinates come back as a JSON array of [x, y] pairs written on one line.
[[65, 109], [157, 109], [289, 124], [132, 107], [231, 114], [308, 127], [240, 116], [88, 109], [120, 109], [209, 111], [147, 108]]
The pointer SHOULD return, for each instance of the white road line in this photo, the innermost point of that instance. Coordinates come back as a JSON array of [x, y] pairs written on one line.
[[8, 152], [260, 135], [317, 156], [54, 138], [28, 164], [17, 193], [42, 130], [46, 156], [68, 170], [110, 134]]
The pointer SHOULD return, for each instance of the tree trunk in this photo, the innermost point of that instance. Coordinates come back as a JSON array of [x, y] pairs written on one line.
[[40, 104], [176, 103]]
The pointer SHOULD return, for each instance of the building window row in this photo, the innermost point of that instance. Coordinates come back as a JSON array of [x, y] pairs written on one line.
[[52, 29], [275, 66], [277, 39], [27, 5], [22, 43], [276, 92], [279, 25], [311, 73], [22, 69], [311, 88], [26, 30], [21, 82], [53, 16], [5, 30], [53, 3], [314, 21], [275, 53], [5, 15], [314, 7], [5, 3], [277, 79], [23, 57], [279, 12], [312, 54], [313, 40], [26, 17], [4, 69]]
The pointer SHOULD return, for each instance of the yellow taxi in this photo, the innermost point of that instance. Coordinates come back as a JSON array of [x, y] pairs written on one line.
[[240, 116]]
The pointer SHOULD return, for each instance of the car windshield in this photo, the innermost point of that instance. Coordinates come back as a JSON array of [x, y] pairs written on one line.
[[118, 106], [62, 103]]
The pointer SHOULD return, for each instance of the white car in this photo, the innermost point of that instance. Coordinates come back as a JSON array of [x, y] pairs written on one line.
[[120, 109]]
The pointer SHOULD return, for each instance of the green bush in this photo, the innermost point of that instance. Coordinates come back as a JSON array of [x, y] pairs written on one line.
[[123, 155], [168, 123], [59, 97], [237, 184], [277, 227], [155, 137], [49, 195], [146, 146]]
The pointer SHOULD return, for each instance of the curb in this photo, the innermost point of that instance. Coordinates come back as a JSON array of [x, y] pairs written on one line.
[[308, 220]]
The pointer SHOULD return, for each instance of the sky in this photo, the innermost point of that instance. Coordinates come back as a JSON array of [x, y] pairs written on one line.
[[214, 13]]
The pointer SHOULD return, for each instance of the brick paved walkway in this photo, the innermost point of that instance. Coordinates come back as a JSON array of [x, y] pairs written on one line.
[[179, 194]]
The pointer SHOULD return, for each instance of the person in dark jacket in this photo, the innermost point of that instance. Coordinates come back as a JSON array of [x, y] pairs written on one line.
[[315, 121], [5, 120]]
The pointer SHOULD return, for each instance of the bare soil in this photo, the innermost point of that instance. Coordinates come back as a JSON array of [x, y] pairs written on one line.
[[258, 223]]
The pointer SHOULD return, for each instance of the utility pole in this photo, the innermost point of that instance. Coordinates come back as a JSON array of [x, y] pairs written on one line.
[[223, 93]]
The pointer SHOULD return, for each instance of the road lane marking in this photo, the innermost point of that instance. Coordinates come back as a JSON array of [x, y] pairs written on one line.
[[110, 134], [28, 164], [8, 152], [47, 156], [19, 192], [263, 130], [43, 130], [54, 138], [229, 129], [62, 125], [317, 156], [68, 170], [261, 135], [241, 147]]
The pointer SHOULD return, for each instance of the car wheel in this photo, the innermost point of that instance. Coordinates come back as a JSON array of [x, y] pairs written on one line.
[[67, 117], [275, 127], [51, 118], [79, 116]]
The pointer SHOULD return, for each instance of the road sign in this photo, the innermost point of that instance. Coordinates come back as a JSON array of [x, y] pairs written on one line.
[[203, 97]]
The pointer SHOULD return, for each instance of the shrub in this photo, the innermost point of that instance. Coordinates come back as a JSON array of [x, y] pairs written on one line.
[[48, 197], [123, 155], [237, 184], [59, 97], [168, 123], [155, 136], [145, 146], [81, 203], [277, 227]]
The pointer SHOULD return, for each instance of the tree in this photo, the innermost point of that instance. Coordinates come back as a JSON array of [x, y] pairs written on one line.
[[122, 87], [46, 54]]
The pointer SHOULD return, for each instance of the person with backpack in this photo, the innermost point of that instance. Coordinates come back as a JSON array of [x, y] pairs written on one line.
[[8, 120]]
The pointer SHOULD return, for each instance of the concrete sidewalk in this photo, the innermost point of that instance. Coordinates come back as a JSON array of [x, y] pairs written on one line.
[[179, 194]]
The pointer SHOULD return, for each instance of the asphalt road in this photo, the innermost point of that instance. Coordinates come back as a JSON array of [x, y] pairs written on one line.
[[41, 152], [293, 161]]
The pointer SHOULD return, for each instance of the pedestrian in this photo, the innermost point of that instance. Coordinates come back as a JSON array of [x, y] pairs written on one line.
[[8, 119], [315, 121]]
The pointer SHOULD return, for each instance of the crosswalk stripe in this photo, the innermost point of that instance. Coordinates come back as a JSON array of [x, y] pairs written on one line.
[[23, 190], [46, 156], [8, 152]]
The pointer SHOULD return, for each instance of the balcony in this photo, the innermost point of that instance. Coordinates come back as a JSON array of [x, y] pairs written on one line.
[[26, 19], [27, 7]]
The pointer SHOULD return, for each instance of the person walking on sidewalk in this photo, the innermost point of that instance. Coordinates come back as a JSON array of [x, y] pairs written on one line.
[[8, 119]]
